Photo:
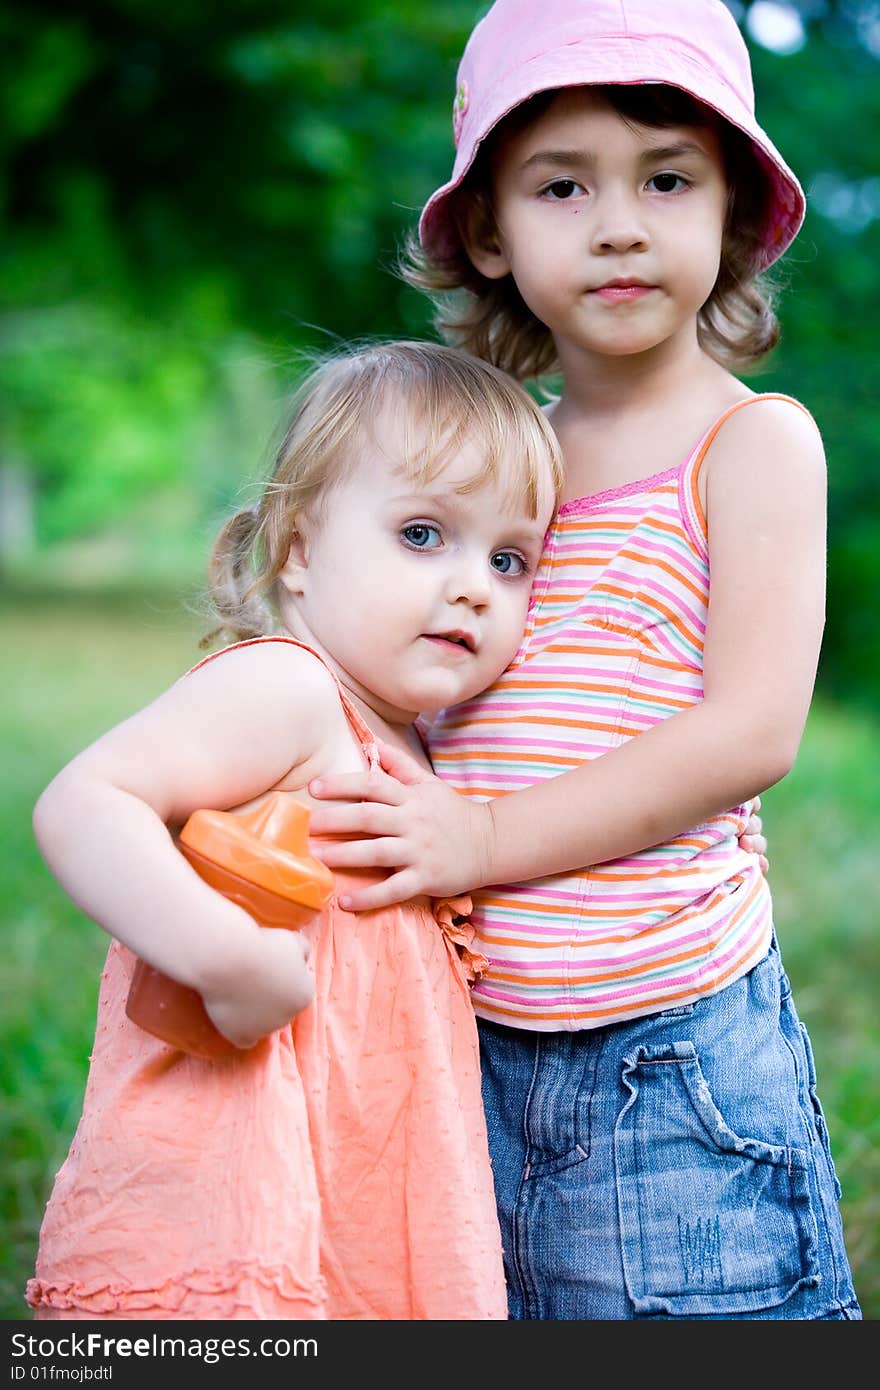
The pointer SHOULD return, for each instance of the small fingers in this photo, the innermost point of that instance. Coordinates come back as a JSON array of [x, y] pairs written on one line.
[[753, 844], [401, 766], [359, 854], [357, 786], [398, 888], [357, 818]]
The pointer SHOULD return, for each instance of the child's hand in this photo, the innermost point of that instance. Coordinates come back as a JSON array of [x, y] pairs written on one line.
[[269, 984], [753, 840], [432, 840]]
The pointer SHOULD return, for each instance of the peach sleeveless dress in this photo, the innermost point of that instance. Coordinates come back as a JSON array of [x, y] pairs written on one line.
[[339, 1169]]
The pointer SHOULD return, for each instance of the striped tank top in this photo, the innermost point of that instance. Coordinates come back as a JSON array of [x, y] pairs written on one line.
[[613, 644]]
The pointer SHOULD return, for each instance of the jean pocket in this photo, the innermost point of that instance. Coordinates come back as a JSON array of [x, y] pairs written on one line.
[[711, 1222]]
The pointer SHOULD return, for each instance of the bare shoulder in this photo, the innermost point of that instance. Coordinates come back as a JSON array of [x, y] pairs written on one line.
[[223, 733], [265, 682], [769, 428], [770, 433], [269, 665]]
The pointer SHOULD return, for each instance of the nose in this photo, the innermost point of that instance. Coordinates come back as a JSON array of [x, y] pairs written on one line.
[[618, 223], [469, 580]]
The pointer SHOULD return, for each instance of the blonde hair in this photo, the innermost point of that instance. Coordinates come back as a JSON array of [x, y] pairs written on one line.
[[737, 325], [447, 397]]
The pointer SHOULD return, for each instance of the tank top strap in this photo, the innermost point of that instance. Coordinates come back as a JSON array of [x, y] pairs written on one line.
[[692, 506], [359, 726]]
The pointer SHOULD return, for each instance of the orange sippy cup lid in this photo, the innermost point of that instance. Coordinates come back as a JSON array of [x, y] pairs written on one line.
[[267, 845]]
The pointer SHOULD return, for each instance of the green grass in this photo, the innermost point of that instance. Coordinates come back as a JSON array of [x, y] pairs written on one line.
[[71, 669], [73, 666]]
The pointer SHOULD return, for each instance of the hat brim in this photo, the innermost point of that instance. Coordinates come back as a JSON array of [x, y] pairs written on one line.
[[625, 63]]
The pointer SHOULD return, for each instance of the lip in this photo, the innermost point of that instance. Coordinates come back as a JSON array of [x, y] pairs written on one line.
[[454, 640], [623, 289]]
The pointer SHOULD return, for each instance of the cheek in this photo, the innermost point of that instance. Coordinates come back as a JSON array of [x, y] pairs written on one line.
[[536, 250], [712, 235], [510, 621]]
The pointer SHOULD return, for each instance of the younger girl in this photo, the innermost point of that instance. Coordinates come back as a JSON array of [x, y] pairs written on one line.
[[338, 1165], [658, 1147]]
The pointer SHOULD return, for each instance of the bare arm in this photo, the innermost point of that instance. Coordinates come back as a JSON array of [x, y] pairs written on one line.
[[766, 510], [217, 738]]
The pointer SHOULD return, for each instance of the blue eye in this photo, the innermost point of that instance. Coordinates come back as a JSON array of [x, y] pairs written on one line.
[[421, 536], [508, 563]]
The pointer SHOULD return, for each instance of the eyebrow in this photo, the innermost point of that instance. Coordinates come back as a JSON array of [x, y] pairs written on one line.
[[680, 150], [562, 158], [566, 159]]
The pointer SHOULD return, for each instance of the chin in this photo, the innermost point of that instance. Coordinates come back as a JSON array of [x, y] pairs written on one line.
[[434, 702]]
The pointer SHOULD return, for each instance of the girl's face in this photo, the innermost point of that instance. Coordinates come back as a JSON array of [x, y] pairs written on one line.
[[415, 593], [612, 231]]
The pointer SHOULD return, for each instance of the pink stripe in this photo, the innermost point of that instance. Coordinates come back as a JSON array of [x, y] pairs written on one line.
[[663, 985], [664, 640], [538, 670], [669, 687], [586, 505], [489, 742], [600, 543], [647, 958], [698, 573], [660, 591]]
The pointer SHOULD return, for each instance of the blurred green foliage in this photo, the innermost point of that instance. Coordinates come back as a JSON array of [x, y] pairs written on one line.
[[190, 193]]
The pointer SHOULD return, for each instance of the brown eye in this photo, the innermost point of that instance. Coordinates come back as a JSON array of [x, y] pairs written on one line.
[[562, 189], [667, 183]]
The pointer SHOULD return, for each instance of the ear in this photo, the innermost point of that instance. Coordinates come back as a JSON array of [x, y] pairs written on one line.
[[482, 239], [293, 572]]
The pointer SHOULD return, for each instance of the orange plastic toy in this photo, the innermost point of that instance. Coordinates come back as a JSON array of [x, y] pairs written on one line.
[[259, 859]]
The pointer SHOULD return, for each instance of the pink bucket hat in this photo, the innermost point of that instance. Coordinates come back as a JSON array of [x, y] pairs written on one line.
[[522, 47]]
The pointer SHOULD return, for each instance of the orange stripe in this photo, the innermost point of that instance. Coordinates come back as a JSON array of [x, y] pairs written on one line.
[[699, 593], [577, 649], [592, 687], [682, 917], [621, 525], [657, 607], [619, 628], [449, 759], [657, 1001], [581, 561], [555, 721], [575, 979], [652, 872]]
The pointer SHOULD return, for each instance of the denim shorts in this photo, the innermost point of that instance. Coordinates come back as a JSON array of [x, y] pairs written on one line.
[[674, 1166]]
